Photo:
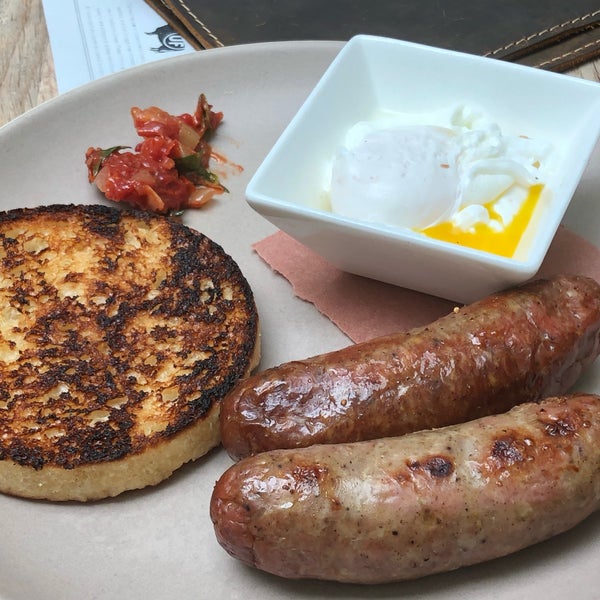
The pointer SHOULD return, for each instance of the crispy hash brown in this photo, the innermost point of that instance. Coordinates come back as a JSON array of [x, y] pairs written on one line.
[[120, 332]]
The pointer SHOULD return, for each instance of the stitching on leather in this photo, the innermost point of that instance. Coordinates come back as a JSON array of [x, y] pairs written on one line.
[[570, 53], [208, 31], [552, 29]]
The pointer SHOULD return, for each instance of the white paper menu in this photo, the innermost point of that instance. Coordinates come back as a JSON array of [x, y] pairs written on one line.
[[94, 38]]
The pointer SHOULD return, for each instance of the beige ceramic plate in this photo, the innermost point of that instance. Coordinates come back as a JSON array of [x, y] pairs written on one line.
[[159, 544]]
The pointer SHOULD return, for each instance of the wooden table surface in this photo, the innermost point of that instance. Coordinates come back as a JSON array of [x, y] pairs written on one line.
[[26, 67]]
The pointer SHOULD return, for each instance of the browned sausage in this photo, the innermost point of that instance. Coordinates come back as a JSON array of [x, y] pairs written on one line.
[[405, 507], [517, 346]]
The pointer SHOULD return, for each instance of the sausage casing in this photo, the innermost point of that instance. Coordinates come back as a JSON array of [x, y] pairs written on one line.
[[400, 508], [517, 346]]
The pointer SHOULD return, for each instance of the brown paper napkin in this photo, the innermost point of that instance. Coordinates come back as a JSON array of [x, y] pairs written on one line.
[[364, 308]]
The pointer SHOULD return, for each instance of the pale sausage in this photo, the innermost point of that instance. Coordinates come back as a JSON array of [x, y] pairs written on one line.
[[405, 507]]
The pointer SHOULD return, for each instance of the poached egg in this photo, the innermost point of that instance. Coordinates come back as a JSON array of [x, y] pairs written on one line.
[[455, 177]]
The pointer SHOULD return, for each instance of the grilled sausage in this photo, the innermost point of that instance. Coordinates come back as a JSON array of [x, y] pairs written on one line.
[[517, 346], [405, 507]]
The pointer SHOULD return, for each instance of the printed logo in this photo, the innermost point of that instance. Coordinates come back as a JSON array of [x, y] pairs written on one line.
[[170, 40]]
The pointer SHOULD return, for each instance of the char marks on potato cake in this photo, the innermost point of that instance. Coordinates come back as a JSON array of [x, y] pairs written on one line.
[[120, 332]]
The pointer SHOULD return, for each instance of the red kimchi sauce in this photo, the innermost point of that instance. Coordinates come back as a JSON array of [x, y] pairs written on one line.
[[168, 171]]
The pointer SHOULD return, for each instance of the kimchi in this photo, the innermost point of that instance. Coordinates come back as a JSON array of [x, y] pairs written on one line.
[[168, 171]]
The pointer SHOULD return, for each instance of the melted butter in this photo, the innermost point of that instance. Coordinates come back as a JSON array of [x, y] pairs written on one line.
[[483, 237]]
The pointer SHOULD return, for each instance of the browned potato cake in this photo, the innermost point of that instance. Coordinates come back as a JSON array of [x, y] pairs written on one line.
[[120, 332]]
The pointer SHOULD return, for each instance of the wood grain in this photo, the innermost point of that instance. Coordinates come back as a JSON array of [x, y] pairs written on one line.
[[26, 67], [589, 71]]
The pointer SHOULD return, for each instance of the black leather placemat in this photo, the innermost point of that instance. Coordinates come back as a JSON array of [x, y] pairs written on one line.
[[553, 34]]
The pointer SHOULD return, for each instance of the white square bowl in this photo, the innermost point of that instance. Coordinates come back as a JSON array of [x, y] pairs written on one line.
[[373, 74]]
